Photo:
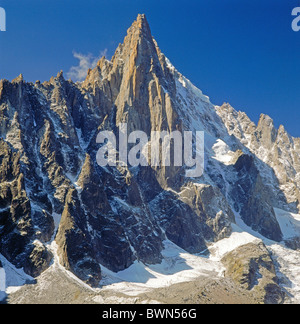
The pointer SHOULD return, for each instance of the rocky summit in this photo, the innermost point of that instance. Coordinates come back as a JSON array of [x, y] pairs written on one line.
[[58, 207]]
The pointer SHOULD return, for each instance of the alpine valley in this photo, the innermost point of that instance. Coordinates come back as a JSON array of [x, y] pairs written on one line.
[[74, 232]]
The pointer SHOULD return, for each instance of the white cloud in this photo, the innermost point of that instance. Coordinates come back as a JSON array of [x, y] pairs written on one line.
[[86, 61]]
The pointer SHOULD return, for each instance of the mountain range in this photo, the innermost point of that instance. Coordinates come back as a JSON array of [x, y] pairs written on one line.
[[238, 225]]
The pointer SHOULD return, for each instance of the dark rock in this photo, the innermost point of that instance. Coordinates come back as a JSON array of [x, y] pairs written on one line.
[[38, 259], [253, 199], [74, 249]]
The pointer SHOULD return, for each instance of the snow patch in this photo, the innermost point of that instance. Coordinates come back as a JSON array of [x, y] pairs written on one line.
[[177, 266], [222, 152], [2, 284], [237, 239], [15, 278], [288, 270], [289, 223]]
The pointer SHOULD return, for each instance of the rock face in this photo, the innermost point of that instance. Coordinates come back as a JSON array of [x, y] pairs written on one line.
[[276, 155], [51, 188], [253, 199], [252, 268]]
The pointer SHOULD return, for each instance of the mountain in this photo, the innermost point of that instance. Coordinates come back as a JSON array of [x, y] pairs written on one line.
[[59, 207]]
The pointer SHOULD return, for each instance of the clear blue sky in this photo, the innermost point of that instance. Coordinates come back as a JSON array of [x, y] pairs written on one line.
[[239, 51]]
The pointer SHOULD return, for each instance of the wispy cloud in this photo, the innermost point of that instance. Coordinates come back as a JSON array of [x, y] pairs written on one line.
[[86, 61]]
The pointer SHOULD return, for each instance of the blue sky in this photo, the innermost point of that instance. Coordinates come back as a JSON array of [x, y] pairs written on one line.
[[239, 51]]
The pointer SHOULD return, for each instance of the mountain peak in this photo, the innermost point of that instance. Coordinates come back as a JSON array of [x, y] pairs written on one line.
[[140, 26], [142, 21], [143, 25], [141, 17], [138, 46], [18, 79], [54, 193]]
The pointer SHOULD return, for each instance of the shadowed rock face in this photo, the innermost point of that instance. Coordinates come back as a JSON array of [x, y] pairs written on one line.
[[74, 249], [254, 198], [16, 225], [114, 216]]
